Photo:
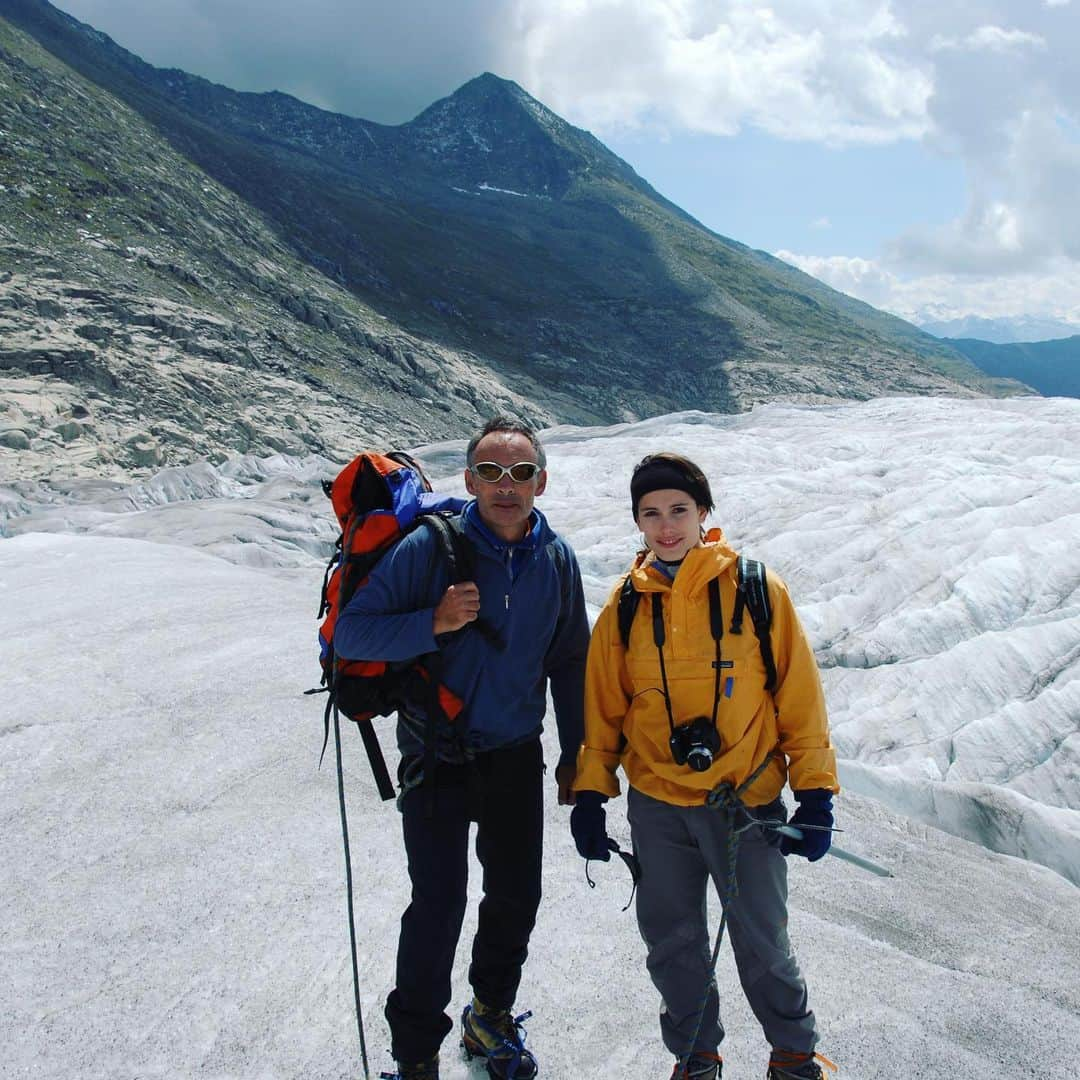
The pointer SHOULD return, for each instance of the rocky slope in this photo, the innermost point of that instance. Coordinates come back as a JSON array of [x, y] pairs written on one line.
[[187, 271], [148, 316]]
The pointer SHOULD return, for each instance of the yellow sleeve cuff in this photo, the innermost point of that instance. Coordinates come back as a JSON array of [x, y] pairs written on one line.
[[596, 771]]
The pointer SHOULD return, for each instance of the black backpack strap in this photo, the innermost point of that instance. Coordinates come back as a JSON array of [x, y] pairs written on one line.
[[753, 594], [562, 571], [461, 561], [376, 759], [459, 557], [629, 598], [367, 734], [335, 558], [444, 543]]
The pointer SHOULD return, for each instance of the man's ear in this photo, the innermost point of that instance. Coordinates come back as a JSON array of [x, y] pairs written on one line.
[[541, 482], [470, 483]]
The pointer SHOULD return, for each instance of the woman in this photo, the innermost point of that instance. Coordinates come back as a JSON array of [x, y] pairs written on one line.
[[683, 706]]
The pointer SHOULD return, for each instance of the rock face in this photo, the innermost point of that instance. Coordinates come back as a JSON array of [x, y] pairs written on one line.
[[164, 383], [186, 272], [149, 317]]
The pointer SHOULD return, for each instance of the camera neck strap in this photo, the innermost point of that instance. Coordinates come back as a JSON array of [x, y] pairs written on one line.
[[716, 627]]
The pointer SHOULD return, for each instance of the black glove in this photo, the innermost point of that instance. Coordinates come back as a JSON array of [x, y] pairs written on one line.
[[587, 825], [815, 808]]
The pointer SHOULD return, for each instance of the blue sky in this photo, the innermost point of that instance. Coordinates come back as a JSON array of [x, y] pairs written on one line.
[[773, 193], [923, 157]]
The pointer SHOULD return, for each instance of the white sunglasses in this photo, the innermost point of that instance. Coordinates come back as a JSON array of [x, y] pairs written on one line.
[[491, 472]]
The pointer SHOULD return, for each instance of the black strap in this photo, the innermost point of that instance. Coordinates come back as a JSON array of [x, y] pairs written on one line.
[[460, 559], [629, 598], [367, 734], [324, 603], [716, 627], [629, 859], [376, 759], [753, 586], [658, 641]]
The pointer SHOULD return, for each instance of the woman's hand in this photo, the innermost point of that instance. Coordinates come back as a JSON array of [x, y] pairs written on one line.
[[587, 823], [815, 808]]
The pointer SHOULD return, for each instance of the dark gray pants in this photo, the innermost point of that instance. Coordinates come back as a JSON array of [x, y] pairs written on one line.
[[680, 848]]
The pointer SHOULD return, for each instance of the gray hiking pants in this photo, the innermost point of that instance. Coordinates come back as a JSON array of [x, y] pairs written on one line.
[[680, 848]]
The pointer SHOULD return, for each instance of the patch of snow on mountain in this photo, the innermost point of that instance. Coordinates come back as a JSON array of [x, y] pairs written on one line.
[[485, 186]]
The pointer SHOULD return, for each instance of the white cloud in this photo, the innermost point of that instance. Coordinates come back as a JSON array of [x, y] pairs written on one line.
[[1052, 291], [989, 38], [798, 69], [821, 223]]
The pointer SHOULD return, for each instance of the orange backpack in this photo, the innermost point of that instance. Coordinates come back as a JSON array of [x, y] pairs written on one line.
[[378, 499]]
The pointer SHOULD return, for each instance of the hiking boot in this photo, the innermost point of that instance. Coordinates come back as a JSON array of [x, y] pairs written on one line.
[[497, 1036], [424, 1070], [698, 1066], [792, 1065]]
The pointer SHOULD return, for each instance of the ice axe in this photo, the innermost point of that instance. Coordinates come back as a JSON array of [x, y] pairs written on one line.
[[856, 860]]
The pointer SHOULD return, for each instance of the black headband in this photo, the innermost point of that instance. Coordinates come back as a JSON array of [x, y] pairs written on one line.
[[660, 475]]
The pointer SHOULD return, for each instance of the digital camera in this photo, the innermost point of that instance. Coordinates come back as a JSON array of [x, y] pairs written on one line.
[[695, 743]]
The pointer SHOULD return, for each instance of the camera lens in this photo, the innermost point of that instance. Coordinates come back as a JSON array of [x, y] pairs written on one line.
[[700, 758]]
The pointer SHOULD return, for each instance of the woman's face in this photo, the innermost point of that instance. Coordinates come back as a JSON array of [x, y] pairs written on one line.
[[670, 521]]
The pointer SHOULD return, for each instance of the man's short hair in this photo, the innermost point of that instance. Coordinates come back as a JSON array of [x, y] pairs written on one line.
[[505, 425]]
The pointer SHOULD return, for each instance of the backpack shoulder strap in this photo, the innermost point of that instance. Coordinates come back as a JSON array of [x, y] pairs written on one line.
[[562, 572], [753, 594], [454, 550], [629, 598], [460, 556]]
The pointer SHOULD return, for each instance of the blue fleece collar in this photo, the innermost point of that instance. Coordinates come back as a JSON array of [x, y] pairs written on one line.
[[529, 542]]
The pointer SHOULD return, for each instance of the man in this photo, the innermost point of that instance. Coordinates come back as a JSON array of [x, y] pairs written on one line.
[[527, 598]]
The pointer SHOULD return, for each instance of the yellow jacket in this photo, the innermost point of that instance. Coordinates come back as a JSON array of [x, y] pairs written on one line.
[[626, 720]]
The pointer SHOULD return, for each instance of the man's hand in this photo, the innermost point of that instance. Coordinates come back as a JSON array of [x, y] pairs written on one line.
[[460, 605], [564, 777]]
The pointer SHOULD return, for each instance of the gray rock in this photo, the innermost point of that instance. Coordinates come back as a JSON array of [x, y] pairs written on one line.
[[14, 439], [144, 451], [94, 332], [69, 430]]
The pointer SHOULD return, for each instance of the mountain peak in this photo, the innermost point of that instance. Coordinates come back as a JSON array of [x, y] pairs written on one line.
[[491, 131], [487, 84]]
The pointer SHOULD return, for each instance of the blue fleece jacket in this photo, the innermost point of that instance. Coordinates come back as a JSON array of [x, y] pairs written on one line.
[[530, 593]]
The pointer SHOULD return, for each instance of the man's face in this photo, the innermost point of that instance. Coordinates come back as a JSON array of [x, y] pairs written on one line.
[[505, 505]]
